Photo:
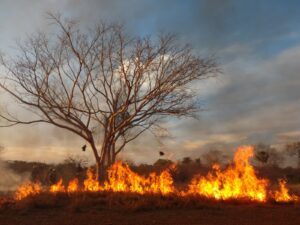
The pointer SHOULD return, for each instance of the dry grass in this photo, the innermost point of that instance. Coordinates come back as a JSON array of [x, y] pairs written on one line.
[[84, 201], [134, 209]]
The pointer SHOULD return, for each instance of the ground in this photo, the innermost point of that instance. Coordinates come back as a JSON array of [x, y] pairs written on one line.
[[225, 215]]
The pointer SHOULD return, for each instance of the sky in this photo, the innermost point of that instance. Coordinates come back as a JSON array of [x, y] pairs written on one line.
[[255, 99]]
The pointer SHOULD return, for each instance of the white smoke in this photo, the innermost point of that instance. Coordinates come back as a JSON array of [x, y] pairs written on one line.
[[9, 180]]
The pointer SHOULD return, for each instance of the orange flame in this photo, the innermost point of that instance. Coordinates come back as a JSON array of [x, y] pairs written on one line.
[[91, 183], [58, 187], [73, 186], [238, 181], [28, 189], [283, 194], [122, 179]]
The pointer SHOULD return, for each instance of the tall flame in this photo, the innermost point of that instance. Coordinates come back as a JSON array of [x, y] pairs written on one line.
[[238, 181]]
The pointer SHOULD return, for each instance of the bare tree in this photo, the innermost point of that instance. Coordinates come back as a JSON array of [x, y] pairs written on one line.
[[85, 80]]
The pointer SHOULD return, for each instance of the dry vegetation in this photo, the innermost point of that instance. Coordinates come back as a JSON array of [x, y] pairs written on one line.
[[131, 208], [116, 208]]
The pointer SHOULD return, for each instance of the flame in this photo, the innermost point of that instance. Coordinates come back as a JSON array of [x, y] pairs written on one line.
[[122, 179], [73, 186], [283, 194], [238, 181], [162, 183], [90, 183], [28, 189], [58, 187]]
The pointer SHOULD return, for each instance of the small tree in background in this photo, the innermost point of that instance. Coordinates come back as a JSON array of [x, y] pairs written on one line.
[[215, 156], [293, 149], [103, 80], [268, 155], [262, 153], [186, 160]]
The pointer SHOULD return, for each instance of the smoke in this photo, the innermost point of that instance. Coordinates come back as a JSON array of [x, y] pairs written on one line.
[[10, 180]]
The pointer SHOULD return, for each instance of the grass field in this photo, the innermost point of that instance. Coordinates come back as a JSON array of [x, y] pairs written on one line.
[[132, 209]]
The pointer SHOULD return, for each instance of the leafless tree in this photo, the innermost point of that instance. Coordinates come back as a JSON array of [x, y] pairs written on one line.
[[82, 81]]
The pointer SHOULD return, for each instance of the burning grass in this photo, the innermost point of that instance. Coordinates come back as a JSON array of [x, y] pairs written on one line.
[[238, 183]]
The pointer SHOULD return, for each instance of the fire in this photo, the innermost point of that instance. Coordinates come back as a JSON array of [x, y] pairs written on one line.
[[162, 183], [28, 189], [90, 183], [238, 181], [283, 194], [58, 187], [73, 186], [122, 179]]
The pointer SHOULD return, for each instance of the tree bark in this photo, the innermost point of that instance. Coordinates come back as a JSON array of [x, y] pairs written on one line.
[[101, 171], [107, 159], [99, 166]]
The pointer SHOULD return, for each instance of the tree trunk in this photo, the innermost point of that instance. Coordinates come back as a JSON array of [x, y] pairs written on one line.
[[101, 171], [107, 159]]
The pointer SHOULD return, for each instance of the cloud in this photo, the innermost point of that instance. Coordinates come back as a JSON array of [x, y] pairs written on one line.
[[290, 136], [256, 99], [192, 145]]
